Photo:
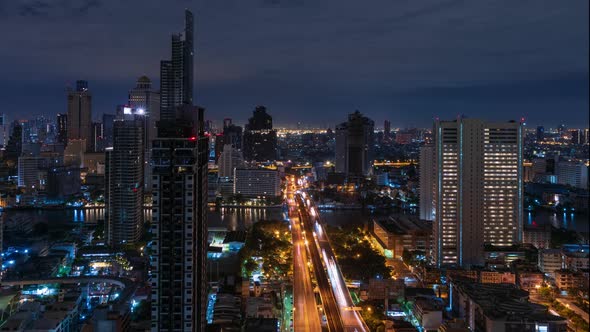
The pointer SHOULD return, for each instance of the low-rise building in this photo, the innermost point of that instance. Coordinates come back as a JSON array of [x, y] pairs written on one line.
[[568, 280], [497, 277], [380, 289], [550, 260], [402, 232], [500, 308], [576, 260], [428, 313]]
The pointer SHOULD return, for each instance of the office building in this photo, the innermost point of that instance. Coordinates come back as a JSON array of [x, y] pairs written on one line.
[[572, 173], [260, 140], [257, 183], [4, 130], [62, 128], [179, 200], [29, 172], [577, 136], [232, 135], [14, 147], [354, 146], [386, 131], [230, 159], [97, 142], [124, 180], [80, 113], [146, 101], [108, 121], [478, 189], [176, 74], [62, 182], [427, 182]]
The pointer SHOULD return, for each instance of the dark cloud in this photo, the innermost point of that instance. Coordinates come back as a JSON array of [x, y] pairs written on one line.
[[55, 8], [311, 61]]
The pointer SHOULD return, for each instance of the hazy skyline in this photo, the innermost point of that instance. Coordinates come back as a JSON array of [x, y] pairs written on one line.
[[309, 62]]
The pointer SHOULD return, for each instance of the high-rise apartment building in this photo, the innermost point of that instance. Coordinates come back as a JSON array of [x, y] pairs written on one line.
[[124, 180], [260, 140], [79, 118], [354, 146], [477, 188], [179, 159], [62, 128], [179, 230], [176, 74], [427, 182]]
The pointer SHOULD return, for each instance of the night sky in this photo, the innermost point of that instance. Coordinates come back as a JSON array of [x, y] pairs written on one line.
[[309, 61]]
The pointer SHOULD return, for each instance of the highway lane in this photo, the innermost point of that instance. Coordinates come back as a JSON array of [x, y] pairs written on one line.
[[329, 302], [351, 320], [306, 318]]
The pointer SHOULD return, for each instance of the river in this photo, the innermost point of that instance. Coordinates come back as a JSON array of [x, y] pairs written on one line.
[[242, 218]]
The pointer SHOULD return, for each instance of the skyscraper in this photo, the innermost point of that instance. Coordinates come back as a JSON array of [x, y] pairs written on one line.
[[354, 146], [577, 136], [260, 140], [176, 74], [478, 191], [179, 225], [108, 121], [144, 99], [426, 182], [179, 218], [80, 113], [124, 180], [97, 141], [386, 131], [3, 130], [232, 135], [147, 101], [62, 128]]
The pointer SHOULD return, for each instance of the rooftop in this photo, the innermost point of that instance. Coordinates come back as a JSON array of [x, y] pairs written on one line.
[[504, 301], [403, 224]]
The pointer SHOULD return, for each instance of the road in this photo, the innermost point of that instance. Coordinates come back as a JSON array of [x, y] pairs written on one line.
[[306, 318], [329, 301], [350, 320], [572, 306]]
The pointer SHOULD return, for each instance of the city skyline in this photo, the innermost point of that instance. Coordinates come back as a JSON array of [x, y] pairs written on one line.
[[289, 166], [303, 66]]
